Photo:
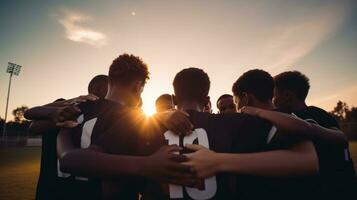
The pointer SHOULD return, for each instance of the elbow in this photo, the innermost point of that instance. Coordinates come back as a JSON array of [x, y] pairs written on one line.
[[27, 114], [65, 163]]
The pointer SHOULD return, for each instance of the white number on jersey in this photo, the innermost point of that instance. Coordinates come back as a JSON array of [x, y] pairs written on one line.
[[176, 191]]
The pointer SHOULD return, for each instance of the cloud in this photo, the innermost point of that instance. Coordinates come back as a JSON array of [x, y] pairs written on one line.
[[293, 41], [78, 33]]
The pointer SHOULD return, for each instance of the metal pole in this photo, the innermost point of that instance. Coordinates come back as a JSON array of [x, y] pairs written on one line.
[[7, 105]]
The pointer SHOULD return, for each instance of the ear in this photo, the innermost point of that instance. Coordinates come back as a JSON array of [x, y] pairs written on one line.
[[245, 99], [174, 99], [206, 100], [138, 87]]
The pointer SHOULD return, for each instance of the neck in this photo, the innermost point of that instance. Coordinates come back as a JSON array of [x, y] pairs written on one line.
[[117, 96], [190, 106], [264, 105]]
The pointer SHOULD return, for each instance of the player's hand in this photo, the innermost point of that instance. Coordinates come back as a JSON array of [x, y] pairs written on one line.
[[250, 110], [202, 161], [165, 165], [66, 116], [176, 121], [82, 99]]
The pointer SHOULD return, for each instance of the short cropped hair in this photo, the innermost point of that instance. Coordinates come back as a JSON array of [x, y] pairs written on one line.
[[128, 68], [294, 81], [223, 96], [163, 97], [192, 84], [97, 83], [257, 82]]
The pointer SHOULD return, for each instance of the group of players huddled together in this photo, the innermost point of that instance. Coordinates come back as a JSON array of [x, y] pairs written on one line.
[[265, 142]]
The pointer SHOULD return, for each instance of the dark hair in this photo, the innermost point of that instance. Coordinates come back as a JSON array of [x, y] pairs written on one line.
[[127, 68], [97, 84], [257, 82], [294, 81], [191, 84], [223, 96], [163, 97]]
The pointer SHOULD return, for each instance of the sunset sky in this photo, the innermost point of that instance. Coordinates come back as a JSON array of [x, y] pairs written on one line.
[[63, 44]]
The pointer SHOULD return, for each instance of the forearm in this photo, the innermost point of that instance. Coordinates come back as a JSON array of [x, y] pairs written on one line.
[[279, 163], [40, 113], [293, 125], [42, 126], [90, 163]]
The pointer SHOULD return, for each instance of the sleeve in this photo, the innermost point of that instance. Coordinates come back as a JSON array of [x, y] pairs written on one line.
[[117, 135]]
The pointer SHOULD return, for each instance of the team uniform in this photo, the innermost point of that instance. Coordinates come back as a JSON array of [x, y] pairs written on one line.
[[104, 124], [229, 133], [50, 185], [337, 170]]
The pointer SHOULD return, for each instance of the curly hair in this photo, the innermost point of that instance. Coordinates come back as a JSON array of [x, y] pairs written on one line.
[[257, 82], [191, 84], [294, 81], [128, 68]]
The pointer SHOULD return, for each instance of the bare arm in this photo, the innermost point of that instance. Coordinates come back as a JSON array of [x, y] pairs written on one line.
[[300, 159], [92, 162], [296, 126], [42, 126]]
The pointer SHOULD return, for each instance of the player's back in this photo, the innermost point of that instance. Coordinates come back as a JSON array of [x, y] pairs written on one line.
[[97, 121], [336, 165], [228, 133]]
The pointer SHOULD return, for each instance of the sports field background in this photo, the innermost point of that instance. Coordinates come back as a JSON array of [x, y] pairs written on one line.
[[19, 169]]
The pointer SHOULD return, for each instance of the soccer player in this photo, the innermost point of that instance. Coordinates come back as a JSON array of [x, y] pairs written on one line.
[[111, 126], [290, 92], [225, 104], [208, 107], [44, 123], [164, 103], [228, 133]]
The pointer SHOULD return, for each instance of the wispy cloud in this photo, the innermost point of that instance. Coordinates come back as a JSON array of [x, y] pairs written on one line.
[[77, 32], [291, 42]]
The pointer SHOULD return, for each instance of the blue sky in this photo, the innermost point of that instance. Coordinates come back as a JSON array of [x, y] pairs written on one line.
[[63, 44]]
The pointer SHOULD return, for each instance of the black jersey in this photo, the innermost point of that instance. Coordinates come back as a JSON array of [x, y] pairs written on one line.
[[106, 124], [229, 133], [337, 170]]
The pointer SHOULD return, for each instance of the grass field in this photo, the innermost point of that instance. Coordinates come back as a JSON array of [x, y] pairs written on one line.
[[19, 169]]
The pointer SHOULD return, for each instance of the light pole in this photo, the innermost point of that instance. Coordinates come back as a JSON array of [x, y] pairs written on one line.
[[12, 69]]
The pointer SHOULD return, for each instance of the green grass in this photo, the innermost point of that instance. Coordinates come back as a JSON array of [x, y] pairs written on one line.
[[19, 169]]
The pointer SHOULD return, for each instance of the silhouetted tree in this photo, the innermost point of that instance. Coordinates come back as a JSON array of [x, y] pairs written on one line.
[[351, 115], [19, 113], [340, 111]]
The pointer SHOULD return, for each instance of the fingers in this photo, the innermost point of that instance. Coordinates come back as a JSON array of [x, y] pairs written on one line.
[[194, 147], [84, 98], [172, 148], [67, 124], [178, 157], [68, 113]]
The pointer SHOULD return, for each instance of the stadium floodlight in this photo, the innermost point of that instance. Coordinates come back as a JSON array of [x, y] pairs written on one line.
[[12, 69]]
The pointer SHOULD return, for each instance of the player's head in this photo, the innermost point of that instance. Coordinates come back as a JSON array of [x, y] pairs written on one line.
[[254, 88], [191, 85], [98, 86], [128, 75], [208, 107], [164, 103], [225, 104], [291, 88]]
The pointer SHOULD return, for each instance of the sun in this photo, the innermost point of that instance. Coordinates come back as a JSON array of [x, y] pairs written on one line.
[[148, 109]]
